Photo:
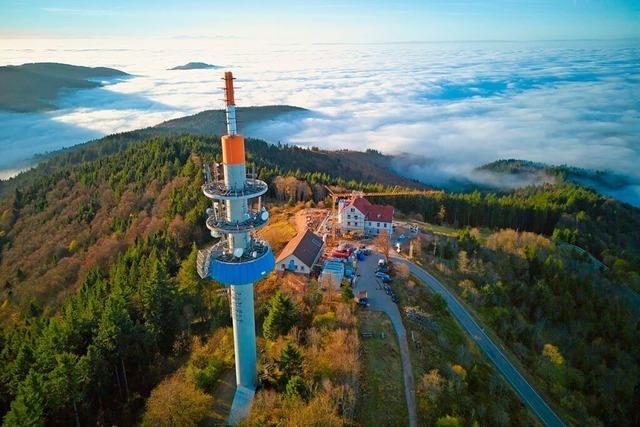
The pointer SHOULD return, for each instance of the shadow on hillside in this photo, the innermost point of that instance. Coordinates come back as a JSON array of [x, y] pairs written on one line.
[[25, 135], [105, 98]]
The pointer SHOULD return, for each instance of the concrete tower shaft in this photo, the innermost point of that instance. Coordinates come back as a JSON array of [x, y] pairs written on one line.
[[235, 175]]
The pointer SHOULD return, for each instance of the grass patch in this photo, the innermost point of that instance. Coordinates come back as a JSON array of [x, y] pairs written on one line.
[[381, 401], [279, 230], [448, 230]]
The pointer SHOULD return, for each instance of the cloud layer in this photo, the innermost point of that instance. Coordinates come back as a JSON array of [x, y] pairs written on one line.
[[450, 106]]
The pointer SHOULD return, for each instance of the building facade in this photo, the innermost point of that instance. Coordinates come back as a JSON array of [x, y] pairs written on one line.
[[359, 215], [301, 253]]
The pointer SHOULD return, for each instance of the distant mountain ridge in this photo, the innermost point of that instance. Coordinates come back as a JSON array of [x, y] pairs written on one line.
[[195, 66], [213, 122], [36, 86], [366, 166], [621, 187], [588, 177]]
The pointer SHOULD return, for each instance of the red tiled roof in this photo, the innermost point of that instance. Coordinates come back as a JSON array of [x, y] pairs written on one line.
[[361, 204], [372, 212], [380, 213]]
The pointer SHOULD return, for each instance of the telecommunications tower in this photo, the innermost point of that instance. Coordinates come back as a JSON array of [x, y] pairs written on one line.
[[239, 259]]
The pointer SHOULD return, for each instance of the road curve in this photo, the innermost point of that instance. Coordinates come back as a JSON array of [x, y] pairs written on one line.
[[529, 396]]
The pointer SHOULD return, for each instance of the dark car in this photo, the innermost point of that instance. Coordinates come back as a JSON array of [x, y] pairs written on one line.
[[386, 279], [394, 298], [387, 290]]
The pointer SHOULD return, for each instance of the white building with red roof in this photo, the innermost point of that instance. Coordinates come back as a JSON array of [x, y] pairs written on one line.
[[360, 215]]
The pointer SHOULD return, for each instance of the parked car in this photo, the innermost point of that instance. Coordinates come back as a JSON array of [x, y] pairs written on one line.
[[381, 274], [387, 290], [394, 298], [386, 279]]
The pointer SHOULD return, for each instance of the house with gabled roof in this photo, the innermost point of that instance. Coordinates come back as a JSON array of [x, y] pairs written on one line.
[[301, 253], [358, 214]]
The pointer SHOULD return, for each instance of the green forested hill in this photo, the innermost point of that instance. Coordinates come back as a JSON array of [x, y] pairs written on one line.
[[78, 208], [195, 66], [34, 87], [213, 122], [603, 181], [98, 295]]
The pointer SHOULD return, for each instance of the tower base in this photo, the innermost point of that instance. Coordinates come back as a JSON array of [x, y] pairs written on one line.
[[241, 405]]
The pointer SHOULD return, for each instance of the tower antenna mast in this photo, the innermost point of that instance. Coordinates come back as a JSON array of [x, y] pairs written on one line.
[[239, 259]]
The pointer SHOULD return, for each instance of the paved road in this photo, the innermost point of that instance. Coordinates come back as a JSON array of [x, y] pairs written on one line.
[[380, 301], [529, 396]]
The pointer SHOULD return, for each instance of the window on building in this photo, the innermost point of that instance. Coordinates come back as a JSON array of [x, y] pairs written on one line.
[[348, 216], [348, 222], [378, 224], [385, 225], [353, 210]]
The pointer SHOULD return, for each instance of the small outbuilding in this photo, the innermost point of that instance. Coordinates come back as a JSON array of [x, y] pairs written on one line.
[[332, 274], [301, 253]]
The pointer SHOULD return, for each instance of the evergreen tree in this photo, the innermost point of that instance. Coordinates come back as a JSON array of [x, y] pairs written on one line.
[[347, 293], [290, 362], [157, 301], [296, 387], [28, 408], [65, 383], [282, 316], [190, 284]]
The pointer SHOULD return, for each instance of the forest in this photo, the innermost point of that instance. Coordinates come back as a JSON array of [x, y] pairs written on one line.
[[103, 317], [562, 318]]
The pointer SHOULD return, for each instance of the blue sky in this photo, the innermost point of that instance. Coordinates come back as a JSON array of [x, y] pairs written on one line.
[[325, 20]]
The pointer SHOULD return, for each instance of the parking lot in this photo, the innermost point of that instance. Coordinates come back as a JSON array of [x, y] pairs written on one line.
[[378, 298]]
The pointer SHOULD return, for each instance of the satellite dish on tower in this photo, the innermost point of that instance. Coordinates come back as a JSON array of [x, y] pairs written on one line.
[[264, 215], [215, 233], [237, 252], [209, 211]]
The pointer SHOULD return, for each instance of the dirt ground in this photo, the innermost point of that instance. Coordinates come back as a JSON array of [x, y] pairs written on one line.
[[309, 218]]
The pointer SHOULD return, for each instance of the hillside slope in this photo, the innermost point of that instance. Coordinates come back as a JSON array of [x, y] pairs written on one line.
[[213, 122], [622, 187], [35, 87], [195, 66], [92, 242]]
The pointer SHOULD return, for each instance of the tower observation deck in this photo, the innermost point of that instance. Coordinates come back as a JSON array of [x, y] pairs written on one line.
[[238, 259]]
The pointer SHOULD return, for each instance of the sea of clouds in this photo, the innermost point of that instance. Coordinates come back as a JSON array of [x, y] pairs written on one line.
[[445, 108]]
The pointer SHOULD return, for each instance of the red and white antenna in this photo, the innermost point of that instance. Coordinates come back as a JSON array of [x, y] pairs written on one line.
[[232, 126]]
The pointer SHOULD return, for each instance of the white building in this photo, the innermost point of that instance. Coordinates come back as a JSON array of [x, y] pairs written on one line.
[[358, 214], [301, 253]]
